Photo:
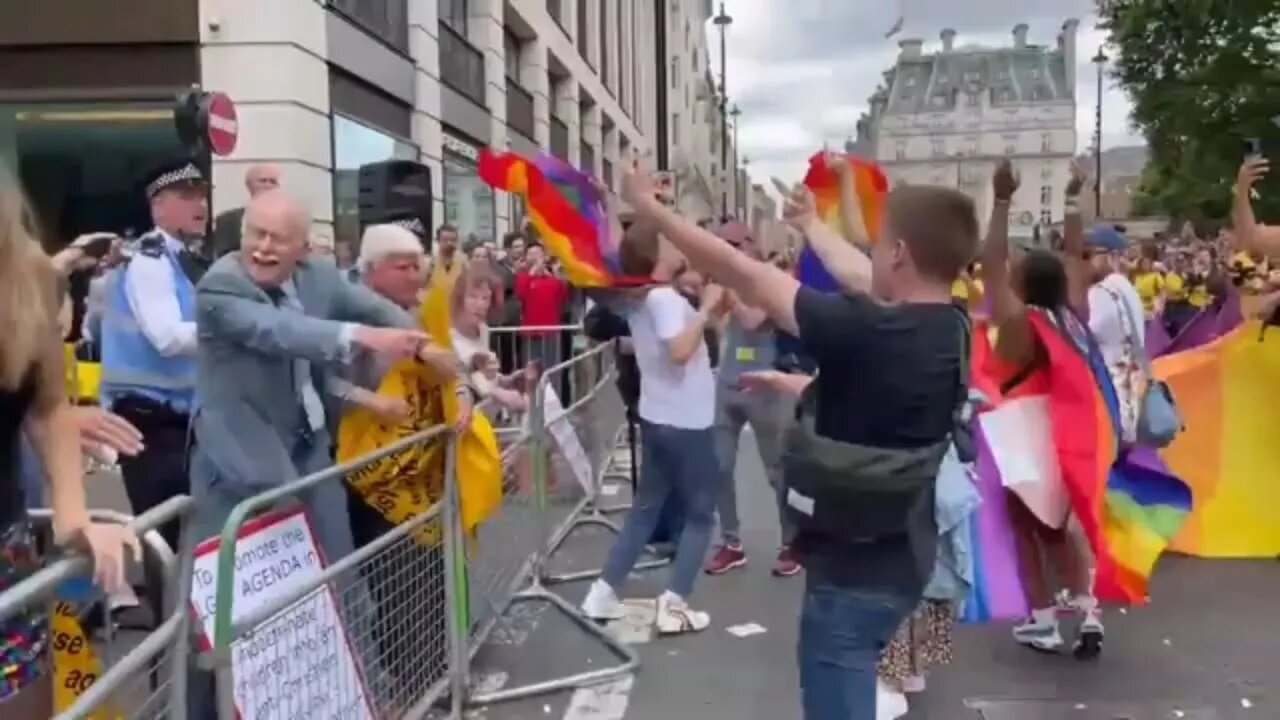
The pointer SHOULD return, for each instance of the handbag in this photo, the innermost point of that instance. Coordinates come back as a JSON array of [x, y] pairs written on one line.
[[1159, 420]]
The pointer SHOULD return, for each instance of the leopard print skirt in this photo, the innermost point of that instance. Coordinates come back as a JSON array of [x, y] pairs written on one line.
[[922, 642]]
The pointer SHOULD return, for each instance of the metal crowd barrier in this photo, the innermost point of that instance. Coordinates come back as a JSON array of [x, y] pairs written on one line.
[[416, 604], [148, 680], [546, 345], [538, 511]]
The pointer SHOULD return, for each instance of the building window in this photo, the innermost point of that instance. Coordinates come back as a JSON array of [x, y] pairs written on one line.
[[971, 145], [511, 57], [1046, 142], [454, 12], [900, 150], [605, 76], [675, 73], [1010, 145], [675, 129], [80, 164], [1046, 216], [971, 99], [1046, 172], [938, 147], [1046, 194], [583, 31], [468, 201], [356, 144]]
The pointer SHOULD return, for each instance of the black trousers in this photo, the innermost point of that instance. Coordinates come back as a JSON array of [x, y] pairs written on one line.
[[154, 475]]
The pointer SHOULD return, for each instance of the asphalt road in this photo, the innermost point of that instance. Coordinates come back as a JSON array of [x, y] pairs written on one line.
[[1206, 648]]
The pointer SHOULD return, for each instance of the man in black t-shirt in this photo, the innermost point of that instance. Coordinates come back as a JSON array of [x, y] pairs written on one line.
[[888, 355]]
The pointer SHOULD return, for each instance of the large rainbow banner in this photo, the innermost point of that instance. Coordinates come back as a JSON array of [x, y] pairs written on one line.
[[1229, 393]]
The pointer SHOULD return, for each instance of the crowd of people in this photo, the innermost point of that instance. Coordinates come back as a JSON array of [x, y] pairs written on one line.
[[227, 368]]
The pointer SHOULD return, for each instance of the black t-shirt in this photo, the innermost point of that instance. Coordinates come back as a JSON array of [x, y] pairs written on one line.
[[888, 376]]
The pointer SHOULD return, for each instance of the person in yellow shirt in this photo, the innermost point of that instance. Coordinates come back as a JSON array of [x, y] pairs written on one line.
[[1178, 310], [1149, 282]]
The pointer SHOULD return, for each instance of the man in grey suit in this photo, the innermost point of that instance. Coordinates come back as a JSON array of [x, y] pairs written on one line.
[[271, 324]]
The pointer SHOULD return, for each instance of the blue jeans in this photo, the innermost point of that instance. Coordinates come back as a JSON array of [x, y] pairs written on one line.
[[842, 633], [680, 463]]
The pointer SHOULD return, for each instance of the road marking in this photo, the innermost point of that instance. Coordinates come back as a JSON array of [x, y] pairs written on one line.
[[746, 629], [606, 701], [636, 626]]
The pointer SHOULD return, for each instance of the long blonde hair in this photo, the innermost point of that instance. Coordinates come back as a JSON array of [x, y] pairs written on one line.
[[24, 303]]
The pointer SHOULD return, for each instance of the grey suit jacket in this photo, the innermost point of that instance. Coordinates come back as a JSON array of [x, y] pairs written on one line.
[[248, 416]]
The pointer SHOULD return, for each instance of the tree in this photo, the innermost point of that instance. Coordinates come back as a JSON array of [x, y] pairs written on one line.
[[1203, 75]]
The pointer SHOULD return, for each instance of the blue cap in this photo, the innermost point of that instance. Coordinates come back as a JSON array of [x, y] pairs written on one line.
[[1105, 237]]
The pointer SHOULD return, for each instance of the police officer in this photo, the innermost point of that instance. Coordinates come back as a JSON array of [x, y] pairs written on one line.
[[149, 336]]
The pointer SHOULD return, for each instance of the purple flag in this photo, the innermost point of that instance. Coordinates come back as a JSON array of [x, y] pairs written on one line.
[[1157, 340]]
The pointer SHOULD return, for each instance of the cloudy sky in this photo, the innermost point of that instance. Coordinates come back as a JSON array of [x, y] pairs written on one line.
[[801, 70]]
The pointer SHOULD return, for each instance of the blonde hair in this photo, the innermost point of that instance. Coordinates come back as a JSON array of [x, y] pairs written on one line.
[[25, 315]]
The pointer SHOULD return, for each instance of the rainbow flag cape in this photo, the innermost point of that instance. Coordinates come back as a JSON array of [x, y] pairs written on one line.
[[1227, 391], [1129, 509], [997, 592], [567, 210], [871, 187]]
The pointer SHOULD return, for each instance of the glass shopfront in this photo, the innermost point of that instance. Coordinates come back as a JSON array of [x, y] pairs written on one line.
[[468, 201], [82, 164], [356, 144]]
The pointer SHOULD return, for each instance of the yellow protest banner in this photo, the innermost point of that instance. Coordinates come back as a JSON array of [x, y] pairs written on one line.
[[75, 665]]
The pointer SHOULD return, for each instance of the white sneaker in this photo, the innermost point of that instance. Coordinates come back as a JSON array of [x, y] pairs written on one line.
[[1040, 631], [676, 617], [602, 603]]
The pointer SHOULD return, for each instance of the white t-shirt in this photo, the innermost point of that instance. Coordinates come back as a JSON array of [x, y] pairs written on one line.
[[1109, 327], [681, 396]]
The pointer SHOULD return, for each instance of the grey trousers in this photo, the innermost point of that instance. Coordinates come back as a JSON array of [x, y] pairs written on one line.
[[767, 413]]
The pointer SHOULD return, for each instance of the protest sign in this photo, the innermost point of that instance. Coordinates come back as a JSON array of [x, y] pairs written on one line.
[[293, 664]]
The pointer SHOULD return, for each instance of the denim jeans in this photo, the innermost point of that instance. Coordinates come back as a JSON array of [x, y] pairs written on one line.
[[679, 462], [842, 633]]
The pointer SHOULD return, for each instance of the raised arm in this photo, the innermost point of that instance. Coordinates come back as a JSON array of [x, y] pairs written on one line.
[[759, 284], [1008, 312], [1073, 258], [1249, 234], [853, 224], [846, 263]]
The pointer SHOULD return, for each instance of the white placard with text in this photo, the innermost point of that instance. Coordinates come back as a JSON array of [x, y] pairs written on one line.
[[300, 663]]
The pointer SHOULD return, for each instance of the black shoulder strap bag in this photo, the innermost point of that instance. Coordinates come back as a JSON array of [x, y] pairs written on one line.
[[858, 493]]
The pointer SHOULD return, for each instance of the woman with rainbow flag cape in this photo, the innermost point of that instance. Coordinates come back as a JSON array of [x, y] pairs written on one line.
[[1041, 367]]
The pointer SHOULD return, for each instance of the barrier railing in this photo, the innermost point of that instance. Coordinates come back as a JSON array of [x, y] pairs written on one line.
[[547, 346], [149, 679], [395, 627], [566, 450]]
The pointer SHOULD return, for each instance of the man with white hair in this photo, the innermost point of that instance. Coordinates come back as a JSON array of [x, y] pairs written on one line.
[[391, 264]]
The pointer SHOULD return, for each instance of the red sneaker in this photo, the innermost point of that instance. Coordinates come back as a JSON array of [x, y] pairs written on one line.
[[727, 557], [786, 565]]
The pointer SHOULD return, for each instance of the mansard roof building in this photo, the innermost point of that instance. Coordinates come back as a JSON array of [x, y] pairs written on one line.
[[946, 117]]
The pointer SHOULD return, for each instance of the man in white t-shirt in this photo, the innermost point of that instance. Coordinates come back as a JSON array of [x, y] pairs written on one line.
[[677, 410], [1117, 321]]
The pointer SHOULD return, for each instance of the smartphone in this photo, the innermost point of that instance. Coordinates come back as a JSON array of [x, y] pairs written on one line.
[[1252, 147]]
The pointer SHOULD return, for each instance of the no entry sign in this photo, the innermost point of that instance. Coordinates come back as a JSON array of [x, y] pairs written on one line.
[[224, 127]]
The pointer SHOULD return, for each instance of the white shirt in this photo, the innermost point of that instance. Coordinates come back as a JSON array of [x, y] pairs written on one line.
[[681, 396], [1109, 326], [153, 297]]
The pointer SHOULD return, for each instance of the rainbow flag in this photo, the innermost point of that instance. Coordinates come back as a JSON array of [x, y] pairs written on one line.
[[997, 592], [567, 210], [1129, 508], [1227, 391], [870, 185]]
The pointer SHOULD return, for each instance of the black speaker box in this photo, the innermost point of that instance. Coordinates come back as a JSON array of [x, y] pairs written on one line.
[[395, 191]]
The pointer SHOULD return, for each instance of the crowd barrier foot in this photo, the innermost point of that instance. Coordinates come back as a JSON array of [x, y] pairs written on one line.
[[630, 660], [592, 517]]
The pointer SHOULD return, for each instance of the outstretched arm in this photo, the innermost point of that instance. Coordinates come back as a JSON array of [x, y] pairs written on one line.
[[1073, 259], [1008, 312]]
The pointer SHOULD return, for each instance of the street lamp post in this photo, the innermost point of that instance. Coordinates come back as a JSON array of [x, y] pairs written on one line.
[[1101, 61], [723, 21], [735, 113], [742, 193]]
